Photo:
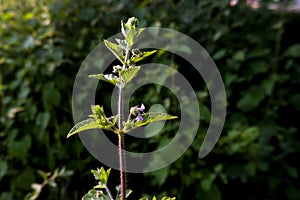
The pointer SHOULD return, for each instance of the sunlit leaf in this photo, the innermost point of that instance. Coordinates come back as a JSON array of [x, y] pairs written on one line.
[[123, 44], [123, 28], [140, 31], [115, 49], [154, 198], [129, 74], [95, 195], [98, 111], [106, 77], [128, 192], [130, 38], [97, 119], [102, 176], [132, 23], [148, 118], [141, 56], [154, 116], [168, 198], [83, 125]]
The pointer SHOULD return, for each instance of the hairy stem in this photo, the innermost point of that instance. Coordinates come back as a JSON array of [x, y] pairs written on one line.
[[109, 194], [121, 135], [126, 57], [121, 147], [122, 166]]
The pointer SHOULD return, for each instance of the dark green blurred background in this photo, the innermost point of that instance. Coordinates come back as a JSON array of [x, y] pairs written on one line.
[[42, 44]]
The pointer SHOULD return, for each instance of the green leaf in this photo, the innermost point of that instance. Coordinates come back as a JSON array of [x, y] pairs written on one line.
[[98, 111], [293, 51], [130, 38], [160, 176], [147, 118], [294, 100], [84, 125], [128, 192], [251, 99], [292, 192], [129, 29], [123, 28], [128, 74], [250, 168], [240, 55], [115, 49], [168, 198], [154, 116], [106, 77], [43, 174], [141, 56], [291, 171], [206, 183], [140, 30], [219, 54], [97, 120], [144, 198], [132, 23], [218, 168], [250, 134], [102, 176], [154, 198], [99, 115], [123, 44], [3, 169], [95, 195], [19, 149]]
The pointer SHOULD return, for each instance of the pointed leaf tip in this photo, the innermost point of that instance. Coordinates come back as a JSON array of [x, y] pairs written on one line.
[[106, 77], [115, 49], [82, 126], [141, 55]]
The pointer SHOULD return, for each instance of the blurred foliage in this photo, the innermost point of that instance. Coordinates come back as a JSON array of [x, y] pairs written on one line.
[[42, 44]]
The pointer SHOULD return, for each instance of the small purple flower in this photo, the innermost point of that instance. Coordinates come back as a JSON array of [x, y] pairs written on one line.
[[139, 117], [140, 110]]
